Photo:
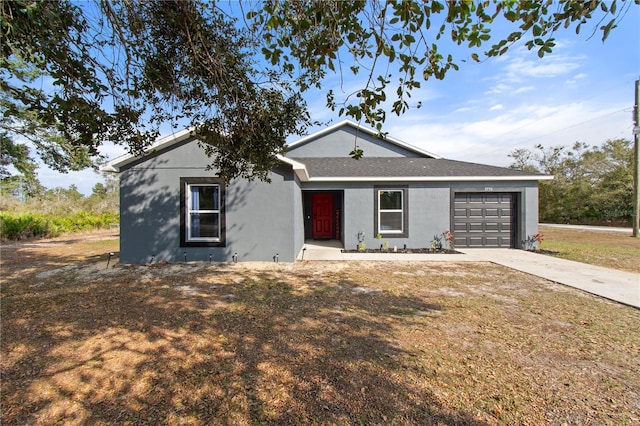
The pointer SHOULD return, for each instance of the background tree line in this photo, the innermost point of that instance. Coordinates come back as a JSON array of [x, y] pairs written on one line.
[[28, 209], [591, 185]]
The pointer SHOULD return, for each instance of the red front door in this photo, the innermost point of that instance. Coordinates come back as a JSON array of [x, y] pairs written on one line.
[[322, 206]]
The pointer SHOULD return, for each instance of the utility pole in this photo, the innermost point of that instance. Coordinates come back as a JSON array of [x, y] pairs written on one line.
[[636, 168]]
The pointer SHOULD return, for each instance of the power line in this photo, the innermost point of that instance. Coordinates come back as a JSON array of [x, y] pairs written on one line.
[[502, 147]]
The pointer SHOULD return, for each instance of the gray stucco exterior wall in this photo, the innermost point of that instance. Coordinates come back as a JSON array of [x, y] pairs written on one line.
[[260, 216], [530, 210], [342, 141], [428, 212], [263, 220], [429, 209]]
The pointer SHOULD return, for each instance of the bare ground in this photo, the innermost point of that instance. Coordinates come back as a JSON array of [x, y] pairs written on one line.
[[309, 343]]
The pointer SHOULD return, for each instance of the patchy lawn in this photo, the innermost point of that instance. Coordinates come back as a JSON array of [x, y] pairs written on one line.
[[311, 343], [609, 249]]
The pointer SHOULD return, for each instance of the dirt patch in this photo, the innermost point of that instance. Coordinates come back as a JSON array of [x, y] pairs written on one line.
[[307, 343]]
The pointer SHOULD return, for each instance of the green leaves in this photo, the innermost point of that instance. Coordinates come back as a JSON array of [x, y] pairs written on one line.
[[120, 70], [396, 38], [168, 62], [356, 153], [606, 29]]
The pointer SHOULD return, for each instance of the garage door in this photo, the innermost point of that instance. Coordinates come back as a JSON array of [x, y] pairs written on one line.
[[484, 219]]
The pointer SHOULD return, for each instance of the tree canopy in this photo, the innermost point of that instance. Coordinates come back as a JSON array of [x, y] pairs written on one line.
[[77, 75]]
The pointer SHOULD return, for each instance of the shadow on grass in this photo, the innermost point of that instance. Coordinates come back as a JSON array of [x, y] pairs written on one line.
[[53, 254], [207, 344]]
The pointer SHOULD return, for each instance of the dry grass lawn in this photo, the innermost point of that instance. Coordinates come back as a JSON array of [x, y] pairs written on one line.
[[310, 343], [609, 249]]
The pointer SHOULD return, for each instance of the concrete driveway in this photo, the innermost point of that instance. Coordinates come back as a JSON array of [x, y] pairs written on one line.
[[623, 287]]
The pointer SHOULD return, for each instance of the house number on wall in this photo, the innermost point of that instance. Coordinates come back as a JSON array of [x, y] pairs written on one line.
[[488, 189]]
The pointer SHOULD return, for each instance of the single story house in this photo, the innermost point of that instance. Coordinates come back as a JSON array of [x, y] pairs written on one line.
[[172, 208]]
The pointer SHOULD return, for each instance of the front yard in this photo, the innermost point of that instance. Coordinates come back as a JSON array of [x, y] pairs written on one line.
[[310, 343], [603, 248]]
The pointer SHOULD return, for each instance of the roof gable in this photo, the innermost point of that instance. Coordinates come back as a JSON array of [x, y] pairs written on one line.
[[338, 141], [162, 144], [195, 156]]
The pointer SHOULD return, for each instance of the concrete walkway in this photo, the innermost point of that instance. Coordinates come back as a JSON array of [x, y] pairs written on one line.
[[623, 287], [332, 250]]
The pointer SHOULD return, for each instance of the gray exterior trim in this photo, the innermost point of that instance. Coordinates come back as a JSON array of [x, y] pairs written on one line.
[[405, 210], [184, 182]]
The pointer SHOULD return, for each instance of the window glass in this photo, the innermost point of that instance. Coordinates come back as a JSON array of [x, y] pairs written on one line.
[[205, 197], [390, 200], [204, 212], [390, 221], [390, 211], [205, 225]]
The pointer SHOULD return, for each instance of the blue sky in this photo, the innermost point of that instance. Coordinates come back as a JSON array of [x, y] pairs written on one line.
[[583, 91]]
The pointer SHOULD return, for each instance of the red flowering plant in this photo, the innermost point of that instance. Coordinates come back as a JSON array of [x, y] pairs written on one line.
[[448, 237]]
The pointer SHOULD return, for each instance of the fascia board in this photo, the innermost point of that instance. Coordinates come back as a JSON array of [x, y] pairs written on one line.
[[431, 178], [299, 168], [319, 133]]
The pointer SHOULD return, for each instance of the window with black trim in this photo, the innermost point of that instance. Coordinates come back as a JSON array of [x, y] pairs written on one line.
[[202, 216], [391, 212]]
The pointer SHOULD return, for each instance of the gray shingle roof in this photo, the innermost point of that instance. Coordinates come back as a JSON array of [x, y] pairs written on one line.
[[398, 167]]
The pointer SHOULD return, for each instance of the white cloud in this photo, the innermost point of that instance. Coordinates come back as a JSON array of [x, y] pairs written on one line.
[[523, 89], [498, 89], [491, 138], [496, 107], [519, 69]]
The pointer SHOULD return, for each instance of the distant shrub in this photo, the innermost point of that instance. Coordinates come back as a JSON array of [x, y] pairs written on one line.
[[16, 226]]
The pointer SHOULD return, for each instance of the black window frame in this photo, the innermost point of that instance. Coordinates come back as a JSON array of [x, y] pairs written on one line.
[[185, 183], [405, 211]]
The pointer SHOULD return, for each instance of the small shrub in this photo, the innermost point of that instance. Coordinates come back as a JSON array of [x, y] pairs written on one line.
[[436, 243], [533, 242], [442, 241]]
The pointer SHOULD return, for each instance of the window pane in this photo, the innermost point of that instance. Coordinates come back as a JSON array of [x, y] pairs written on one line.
[[391, 221], [205, 225], [390, 200], [208, 197]]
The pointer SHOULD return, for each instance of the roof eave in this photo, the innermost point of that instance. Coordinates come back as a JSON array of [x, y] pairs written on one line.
[[299, 168], [428, 178]]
